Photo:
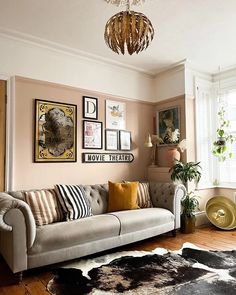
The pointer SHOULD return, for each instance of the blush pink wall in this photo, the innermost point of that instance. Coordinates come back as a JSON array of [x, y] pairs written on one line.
[[27, 175]]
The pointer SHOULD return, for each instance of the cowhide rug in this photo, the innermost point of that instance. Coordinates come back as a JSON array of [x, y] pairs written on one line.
[[187, 271]]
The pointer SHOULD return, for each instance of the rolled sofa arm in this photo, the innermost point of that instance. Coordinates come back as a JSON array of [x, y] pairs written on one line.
[[168, 196], [7, 203]]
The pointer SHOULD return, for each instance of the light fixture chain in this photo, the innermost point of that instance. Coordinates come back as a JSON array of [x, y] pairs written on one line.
[[125, 2]]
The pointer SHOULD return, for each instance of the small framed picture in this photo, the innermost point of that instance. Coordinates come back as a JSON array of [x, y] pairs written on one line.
[[90, 107], [92, 135], [115, 114], [125, 140], [111, 140]]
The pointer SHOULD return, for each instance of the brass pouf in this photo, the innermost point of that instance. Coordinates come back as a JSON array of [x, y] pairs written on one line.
[[221, 212]]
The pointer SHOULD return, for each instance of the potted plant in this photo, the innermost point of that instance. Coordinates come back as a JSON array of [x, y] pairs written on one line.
[[189, 204], [185, 172], [224, 139]]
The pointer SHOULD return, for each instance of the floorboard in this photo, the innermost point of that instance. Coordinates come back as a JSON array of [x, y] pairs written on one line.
[[35, 281]]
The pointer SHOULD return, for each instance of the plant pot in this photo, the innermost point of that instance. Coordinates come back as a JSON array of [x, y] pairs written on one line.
[[187, 224], [221, 141], [172, 154]]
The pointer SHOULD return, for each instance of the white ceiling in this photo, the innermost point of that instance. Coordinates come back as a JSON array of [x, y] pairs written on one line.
[[201, 31]]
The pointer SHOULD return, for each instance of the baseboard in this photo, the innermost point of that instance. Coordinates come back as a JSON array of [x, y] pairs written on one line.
[[201, 218]]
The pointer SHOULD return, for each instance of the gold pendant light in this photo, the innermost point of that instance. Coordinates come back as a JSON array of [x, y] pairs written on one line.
[[128, 30]]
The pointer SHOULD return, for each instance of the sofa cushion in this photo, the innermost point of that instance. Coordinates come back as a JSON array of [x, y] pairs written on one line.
[[144, 198], [44, 206], [70, 233], [137, 220], [73, 201], [98, 197], [122, 196]]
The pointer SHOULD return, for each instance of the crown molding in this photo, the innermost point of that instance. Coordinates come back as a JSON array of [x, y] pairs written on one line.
[[224, 74], [175, 67], [57, 47]]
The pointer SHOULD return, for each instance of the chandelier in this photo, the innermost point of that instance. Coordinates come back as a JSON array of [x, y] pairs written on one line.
[[128, 30]]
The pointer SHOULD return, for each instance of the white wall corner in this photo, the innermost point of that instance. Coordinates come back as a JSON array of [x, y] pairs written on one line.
[[170, 83], [191, 75]]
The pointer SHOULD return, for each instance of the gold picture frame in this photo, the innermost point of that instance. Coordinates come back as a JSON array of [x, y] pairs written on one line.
[[55, 132]]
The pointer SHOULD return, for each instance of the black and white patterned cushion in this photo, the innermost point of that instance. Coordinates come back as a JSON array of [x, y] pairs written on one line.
[[73, 201]]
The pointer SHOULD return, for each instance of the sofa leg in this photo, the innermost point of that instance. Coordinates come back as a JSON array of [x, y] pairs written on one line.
[[173, 233], [18, 276]]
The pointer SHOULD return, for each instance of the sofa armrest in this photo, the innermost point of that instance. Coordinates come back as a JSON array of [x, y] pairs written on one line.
[[168, 196], [8, 203]]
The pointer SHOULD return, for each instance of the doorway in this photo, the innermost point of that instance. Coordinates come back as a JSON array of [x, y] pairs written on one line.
[[3, 94]]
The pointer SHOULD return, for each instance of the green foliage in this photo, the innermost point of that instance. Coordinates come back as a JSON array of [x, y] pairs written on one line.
[[224, 139], [185, 172], [189, 204]]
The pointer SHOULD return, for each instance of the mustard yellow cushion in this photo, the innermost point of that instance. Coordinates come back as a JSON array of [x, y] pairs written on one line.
[[122, 196]]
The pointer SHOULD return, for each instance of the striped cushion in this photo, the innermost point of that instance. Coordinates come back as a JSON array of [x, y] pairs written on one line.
[[73, 201], [144, 199], [44, 206]]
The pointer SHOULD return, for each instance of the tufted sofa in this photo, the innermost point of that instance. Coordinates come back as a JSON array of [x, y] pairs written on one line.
[[25, 245]]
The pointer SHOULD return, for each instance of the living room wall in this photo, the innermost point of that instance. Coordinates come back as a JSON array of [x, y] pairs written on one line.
[[27, 174]]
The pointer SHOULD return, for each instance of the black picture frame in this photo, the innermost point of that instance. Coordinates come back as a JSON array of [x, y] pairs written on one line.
[[124, 140], [111, 140], [92, 135], [90, 108]]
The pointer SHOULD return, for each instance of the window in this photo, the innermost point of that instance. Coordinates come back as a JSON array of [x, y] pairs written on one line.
[[205, 127], [227, 175], [213, 171]]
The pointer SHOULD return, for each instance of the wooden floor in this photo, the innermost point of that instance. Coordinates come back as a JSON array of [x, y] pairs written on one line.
[[35, 281]]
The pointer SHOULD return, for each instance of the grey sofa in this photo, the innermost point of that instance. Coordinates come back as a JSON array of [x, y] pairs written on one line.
[[25, 245]]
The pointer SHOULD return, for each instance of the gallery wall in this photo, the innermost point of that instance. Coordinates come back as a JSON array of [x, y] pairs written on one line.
[[27, 174]]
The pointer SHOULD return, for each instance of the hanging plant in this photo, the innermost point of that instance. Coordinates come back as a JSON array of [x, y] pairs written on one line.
[[222, 145]]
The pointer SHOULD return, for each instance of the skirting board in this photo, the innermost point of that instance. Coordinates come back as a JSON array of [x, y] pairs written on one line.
[[201, 218]]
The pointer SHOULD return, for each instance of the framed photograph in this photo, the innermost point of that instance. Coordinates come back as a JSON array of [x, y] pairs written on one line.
[[111, 140], [55, 132], [168, 125], [125, 140], [92, 135], [115, 114], [90, 107]]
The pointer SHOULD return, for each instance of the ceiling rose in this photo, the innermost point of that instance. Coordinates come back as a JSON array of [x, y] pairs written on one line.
[[125, 2]]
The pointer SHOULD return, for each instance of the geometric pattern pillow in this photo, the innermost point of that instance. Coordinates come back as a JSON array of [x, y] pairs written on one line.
[[73, 201], [44, 205], [144, 198]]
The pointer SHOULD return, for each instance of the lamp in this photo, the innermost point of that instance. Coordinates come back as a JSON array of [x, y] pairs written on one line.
[[148, 142], [151, 142], [128, 30]]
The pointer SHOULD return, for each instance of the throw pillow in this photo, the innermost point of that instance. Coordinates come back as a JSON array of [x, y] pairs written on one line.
[[144, 198], [122, 196], [73, 201], [44, 205]]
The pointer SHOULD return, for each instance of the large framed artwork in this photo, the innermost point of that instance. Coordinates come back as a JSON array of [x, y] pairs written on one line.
[[92, 134], [90, 107], [168, 125], [115, 115], [55, 132]]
